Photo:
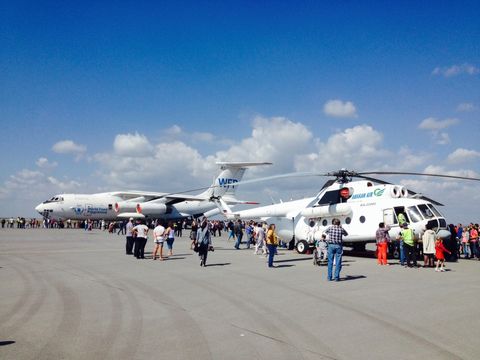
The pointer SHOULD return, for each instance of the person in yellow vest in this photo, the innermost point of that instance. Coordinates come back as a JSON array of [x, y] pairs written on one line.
[[408, 237]]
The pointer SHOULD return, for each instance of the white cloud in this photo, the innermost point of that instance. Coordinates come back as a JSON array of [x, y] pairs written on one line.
[[275, 139], [132, 145], [434, 126], [442, 138], [203, 137], [338, 108], [432, 123], [466, 107], [455, 70], [31, 186], [174, 130], [44, 163], [463, 155], [355, 148], [68, 147]]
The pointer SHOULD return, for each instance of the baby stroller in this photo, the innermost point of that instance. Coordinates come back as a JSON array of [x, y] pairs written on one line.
[[320, 253]]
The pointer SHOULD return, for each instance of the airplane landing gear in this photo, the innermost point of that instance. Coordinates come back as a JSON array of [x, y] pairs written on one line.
[[302, 247]]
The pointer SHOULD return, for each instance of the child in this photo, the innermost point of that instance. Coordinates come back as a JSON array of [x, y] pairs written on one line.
[[439, 254]]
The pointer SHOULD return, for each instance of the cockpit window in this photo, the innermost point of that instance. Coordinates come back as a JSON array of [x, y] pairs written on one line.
[[426, 212], [330, 197], [414, 214], [54, 199], [435, 211]]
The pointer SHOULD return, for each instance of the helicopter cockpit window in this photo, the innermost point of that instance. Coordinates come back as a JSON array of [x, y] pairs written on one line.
[[414, 214], [435, 211], [330, 197], [426, 212]]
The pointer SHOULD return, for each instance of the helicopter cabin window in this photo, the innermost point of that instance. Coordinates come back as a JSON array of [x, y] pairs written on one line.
[[425, 211], [414, 214], [362, 219], [433, 224], [330, 197]]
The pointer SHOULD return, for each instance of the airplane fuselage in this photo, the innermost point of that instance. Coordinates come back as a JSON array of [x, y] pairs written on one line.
[[101, 206]]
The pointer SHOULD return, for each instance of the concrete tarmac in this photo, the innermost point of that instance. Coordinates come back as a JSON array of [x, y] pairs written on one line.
[[71, 294]]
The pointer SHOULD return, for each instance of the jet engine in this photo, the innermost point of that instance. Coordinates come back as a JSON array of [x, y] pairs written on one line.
[[125, 206], [151, 208]]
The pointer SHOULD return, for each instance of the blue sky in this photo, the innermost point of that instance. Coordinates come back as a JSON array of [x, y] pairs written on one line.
[[180, 85]]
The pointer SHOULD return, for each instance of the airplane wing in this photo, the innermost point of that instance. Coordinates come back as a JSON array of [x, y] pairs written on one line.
[[165, 198]]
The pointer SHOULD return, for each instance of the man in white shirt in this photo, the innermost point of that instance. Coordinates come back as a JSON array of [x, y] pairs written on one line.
[[141, 232], [129, 243], [158, 238]]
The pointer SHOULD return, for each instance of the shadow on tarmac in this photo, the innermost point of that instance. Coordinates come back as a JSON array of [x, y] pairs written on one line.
[[218, 264], [353, 277], [282, 265], [5, 343], [292, 260]]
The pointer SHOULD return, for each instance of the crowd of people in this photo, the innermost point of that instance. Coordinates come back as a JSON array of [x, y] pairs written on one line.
[[463, 241]]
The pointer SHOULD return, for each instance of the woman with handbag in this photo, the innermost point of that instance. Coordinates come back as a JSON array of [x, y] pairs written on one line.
[[204, 242]]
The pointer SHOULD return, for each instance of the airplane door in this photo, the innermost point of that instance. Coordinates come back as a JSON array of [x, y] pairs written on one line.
[[388, 217]]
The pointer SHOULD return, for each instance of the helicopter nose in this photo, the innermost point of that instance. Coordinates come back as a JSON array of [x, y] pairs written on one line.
[[443, 234]]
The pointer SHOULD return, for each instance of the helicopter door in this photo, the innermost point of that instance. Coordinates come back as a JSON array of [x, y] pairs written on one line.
[[388, 217]]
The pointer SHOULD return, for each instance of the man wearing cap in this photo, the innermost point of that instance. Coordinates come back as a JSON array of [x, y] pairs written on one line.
[[408, 237], [129, 243]]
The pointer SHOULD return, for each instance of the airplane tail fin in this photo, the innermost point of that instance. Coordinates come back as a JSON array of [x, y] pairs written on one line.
[[231, 173]]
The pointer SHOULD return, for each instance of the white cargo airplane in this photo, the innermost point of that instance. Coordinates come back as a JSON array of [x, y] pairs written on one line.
[[143, 204]]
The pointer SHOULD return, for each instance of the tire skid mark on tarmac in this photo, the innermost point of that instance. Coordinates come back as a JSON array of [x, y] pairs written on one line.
[[116, 318], [436, 348], [39, 290], [250, 309], [26, 294], [178, 315], [113, 330], [70, 318]]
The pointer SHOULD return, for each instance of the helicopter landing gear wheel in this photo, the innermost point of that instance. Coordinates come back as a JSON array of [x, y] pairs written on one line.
[[394, 251], [302, 247]]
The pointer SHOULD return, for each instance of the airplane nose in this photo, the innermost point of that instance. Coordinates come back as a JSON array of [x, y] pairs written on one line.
[[39, 208]]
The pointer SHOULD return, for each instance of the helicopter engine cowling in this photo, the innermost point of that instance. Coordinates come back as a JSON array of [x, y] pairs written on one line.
[[327, 211], [151, 208]]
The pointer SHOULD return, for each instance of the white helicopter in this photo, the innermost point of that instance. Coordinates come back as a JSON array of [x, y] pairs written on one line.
[[360, 205]]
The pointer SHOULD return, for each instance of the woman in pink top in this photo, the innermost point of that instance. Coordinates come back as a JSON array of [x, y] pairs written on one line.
[[474, 241]]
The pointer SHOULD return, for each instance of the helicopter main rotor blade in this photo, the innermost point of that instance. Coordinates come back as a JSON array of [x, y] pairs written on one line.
[[373, 179], [417, 174]]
